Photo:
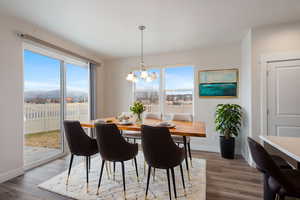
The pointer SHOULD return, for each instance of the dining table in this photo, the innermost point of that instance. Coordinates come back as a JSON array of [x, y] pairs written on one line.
[[179, 128]]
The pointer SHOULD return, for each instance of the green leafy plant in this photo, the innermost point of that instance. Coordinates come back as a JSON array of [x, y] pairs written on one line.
[[137, 108], [228, 119]]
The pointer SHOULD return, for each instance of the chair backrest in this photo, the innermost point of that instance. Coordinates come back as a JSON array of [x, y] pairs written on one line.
[[158, 146], [150, 115], [266, 164], [110, 141], [182, 117], [77, 139]]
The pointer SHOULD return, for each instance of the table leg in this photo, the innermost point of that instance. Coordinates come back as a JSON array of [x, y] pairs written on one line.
[[186, 157], [93, 132]]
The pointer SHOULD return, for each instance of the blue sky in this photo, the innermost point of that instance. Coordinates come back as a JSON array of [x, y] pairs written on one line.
[[176, 78], [43, 73]]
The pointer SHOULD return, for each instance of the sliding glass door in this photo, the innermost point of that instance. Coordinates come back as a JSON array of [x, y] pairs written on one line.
[[54, 90], [42, 107], [77, 92]]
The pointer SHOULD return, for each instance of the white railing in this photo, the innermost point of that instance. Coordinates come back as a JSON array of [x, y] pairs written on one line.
[[46, 117]]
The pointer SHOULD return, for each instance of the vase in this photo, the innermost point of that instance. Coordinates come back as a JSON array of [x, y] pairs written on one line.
[[139, 119]]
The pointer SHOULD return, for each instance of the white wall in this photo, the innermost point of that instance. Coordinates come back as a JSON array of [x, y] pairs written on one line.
[[118, 92], [11, 88], [246, 91], [268, 40]]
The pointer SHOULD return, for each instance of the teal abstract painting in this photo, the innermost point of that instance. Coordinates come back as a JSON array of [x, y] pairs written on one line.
[[218, 83]]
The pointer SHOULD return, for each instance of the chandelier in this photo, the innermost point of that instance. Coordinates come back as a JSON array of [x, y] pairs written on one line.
[[143, 74]]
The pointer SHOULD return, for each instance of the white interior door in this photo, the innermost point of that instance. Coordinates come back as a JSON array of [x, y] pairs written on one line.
[[284, 98]]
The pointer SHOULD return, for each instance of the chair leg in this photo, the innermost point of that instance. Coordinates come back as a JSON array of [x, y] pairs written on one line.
[[87, 173], [89, 163], [100, 177], [268, 193], [190, 153], [109, 167], [123, 175], [169, 185], [114, 170], [144, 167], [148, 180], [174, 183], [70, 167], [136, 169], [153, 174], [182, 177]]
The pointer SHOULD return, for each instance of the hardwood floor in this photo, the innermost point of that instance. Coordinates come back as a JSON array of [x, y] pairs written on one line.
[[226, 180]]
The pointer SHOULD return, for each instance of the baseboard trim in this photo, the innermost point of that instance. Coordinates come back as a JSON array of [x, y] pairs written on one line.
[[205, 148], [11, 174]]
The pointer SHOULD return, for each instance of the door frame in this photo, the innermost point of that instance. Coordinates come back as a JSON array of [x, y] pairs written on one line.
[[264, 61]]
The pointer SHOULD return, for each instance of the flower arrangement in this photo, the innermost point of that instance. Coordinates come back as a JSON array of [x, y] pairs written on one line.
[[138, 108]]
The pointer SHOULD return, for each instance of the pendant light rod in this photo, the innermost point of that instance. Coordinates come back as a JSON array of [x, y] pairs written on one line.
[[143, 74], [142, 28]]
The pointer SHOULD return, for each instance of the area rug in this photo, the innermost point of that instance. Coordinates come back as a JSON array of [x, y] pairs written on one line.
[[112, 189]]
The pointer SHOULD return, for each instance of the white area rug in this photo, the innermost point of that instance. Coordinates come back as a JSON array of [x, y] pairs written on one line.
[[113, 189]]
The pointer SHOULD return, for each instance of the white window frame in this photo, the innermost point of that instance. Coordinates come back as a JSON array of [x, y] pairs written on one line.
[[162, 87]]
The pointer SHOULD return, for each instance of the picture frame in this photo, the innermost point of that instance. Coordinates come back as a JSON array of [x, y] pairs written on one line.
[[219, 83]]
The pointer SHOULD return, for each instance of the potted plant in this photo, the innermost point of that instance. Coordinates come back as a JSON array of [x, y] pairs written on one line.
[[137, 109], [228, 123]]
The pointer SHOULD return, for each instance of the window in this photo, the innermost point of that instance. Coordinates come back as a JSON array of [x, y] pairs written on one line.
[[178, 91], [172, 92], [148, 93]]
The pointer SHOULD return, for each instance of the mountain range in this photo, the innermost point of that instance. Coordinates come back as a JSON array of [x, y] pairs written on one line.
[[53, 94]]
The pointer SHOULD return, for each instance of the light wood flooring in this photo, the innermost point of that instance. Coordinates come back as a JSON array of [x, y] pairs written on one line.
[[226, 180]]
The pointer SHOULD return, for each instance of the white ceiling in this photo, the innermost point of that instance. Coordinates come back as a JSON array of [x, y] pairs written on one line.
[[109, 27]]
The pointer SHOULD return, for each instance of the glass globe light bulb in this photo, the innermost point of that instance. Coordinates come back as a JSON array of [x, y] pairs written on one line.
[[144, 74], [130, 76]]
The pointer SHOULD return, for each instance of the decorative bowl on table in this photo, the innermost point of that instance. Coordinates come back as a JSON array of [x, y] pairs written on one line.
[[100, 121], [166, 124], [124, 119]]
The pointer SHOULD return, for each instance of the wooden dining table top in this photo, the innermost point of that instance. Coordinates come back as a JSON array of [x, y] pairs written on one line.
[[182, 128]]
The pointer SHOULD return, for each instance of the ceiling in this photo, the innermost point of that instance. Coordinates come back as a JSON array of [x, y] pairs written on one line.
[[109, 28]]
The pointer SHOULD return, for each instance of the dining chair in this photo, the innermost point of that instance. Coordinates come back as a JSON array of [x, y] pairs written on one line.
[[179, 139], [80, 144], [131, 135], [136, 135], [113, 147], [280, 182], [153, 115], [161, 152]]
